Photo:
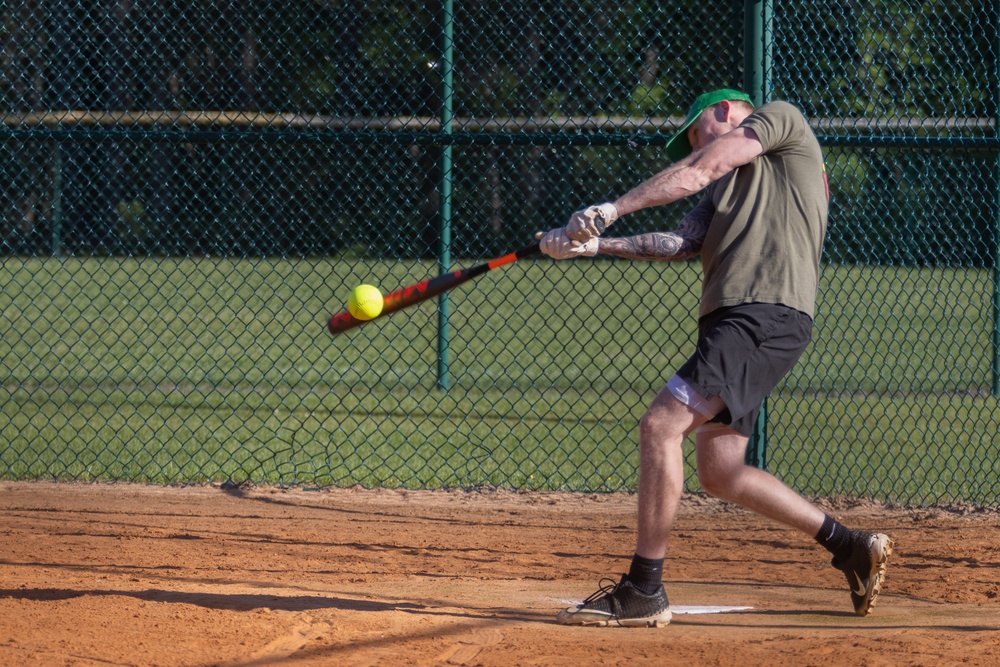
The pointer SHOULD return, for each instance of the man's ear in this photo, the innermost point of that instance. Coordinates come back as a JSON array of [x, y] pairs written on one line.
[[723, 110]]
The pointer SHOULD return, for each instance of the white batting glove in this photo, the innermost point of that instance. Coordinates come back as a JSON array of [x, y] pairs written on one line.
[[591, 222], [557, 245]]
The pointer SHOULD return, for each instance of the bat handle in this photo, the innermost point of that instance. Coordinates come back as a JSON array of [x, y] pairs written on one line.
[[528, 251]]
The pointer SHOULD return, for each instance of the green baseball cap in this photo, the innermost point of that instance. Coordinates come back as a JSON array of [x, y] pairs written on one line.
[[679, 147]]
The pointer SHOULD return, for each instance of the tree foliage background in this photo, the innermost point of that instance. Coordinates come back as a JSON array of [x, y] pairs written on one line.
[[904, 95]]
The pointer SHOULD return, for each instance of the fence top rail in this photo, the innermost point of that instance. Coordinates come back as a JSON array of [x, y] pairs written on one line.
[[248, 120]]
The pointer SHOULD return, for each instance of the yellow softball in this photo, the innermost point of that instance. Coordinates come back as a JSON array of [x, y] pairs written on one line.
[[365, 302]]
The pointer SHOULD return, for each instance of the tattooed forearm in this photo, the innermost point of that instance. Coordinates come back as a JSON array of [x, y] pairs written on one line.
[[656, 246], [665, 246]]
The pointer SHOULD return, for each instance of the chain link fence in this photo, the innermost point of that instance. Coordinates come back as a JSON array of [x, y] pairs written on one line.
[[189, 189]]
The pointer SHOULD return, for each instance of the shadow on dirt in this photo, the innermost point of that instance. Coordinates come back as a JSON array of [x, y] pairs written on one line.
[[248, 602]]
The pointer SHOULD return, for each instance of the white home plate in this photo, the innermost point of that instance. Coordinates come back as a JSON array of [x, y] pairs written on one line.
[[682, 609], [694, 609]]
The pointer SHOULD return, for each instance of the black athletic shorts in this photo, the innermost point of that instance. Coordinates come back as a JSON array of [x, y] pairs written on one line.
[[742, 353]]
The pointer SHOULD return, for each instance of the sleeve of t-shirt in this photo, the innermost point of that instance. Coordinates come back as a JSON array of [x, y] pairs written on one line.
[[776, 124]]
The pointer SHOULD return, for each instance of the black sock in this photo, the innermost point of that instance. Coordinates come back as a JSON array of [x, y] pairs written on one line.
[[836, 538], [646, 574]]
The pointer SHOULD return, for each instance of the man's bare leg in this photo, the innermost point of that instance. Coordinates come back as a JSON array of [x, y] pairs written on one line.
[[723, 472], [641, 600], [860, 555], [661, 470]]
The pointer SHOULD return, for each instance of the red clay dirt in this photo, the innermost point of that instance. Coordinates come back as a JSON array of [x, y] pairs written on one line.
[[136, 575]]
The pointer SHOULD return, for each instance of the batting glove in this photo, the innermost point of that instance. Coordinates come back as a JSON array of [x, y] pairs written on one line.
[[557, 245], [591, 222]]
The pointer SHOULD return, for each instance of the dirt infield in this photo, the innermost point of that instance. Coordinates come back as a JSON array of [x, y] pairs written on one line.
[[133, 575]]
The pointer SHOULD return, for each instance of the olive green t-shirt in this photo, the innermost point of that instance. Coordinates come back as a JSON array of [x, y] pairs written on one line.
[[764, 242]]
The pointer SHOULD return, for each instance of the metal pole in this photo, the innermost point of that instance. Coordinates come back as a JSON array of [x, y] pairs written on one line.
[[758, 39], [444, 248], [758, 42], [996, 282], [57, 198], [996, 240]]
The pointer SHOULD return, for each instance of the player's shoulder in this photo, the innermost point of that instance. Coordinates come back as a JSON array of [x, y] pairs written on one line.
[[778, 124]]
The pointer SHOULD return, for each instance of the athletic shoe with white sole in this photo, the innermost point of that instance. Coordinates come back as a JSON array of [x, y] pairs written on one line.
[[619, 604], [865, 568]]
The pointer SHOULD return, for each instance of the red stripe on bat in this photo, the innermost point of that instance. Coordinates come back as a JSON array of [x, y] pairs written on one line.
[[500, 261]]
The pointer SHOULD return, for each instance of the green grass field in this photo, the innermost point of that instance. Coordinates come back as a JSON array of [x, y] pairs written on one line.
[[188, 370]]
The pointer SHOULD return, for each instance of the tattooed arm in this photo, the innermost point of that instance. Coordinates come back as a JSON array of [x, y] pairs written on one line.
[[683, 243]]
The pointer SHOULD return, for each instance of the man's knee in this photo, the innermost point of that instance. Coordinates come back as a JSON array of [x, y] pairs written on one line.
[[721, 460], [718, 482], [665, 420]]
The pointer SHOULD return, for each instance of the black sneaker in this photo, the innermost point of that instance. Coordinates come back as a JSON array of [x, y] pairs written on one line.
[[619, 604], [865, 568]]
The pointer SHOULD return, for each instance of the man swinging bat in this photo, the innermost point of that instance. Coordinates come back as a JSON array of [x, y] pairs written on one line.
[[759, 227]]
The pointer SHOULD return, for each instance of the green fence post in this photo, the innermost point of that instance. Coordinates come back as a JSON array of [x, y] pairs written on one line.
[[996, 240], [757, 49], [996, 279], [757, 46], [444, 247], [57, 199]]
